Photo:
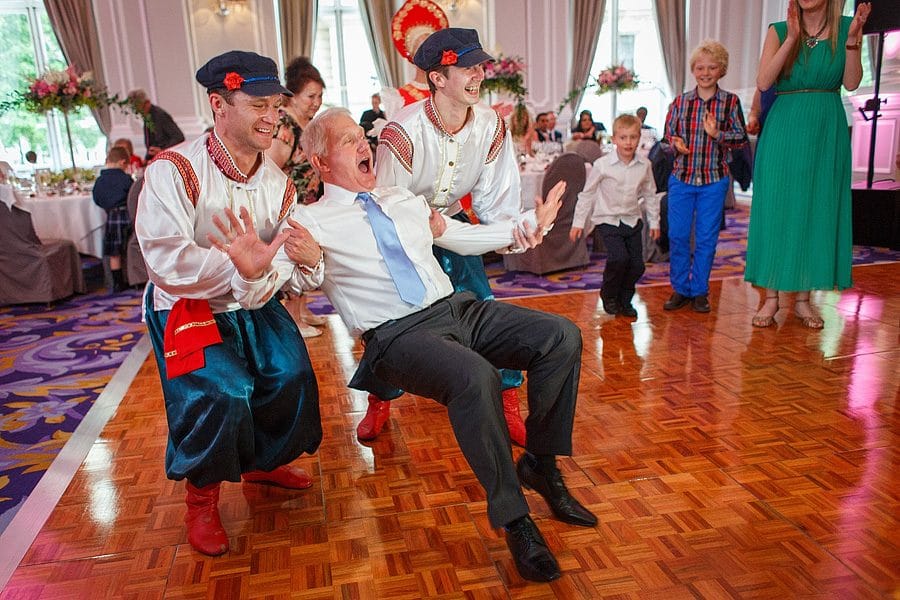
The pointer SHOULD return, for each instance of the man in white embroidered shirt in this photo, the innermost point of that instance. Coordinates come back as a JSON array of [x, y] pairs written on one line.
[[424, 339]]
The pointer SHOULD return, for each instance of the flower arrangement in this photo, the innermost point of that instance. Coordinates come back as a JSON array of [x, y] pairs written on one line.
[[615, 78], [65, 91], [611, 79], [506, 75]]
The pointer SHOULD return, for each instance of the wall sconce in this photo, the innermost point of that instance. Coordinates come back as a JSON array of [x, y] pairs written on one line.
[[223, 7]]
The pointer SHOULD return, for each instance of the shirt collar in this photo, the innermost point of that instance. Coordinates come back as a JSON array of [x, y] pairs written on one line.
[[343, 196], [616, 160], [693, 95], [435, 117], [221, 157]]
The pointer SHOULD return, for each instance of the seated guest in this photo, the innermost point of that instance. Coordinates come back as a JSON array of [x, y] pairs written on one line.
[[521, 128], [370, 251], [135, 164], [546, 124], [111, 194], [587, 128]]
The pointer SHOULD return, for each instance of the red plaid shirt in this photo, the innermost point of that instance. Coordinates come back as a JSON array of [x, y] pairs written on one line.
[[707, 161]]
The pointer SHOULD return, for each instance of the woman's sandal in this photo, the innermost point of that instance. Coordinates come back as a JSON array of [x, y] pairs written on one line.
[[765, 320], [812, 320]]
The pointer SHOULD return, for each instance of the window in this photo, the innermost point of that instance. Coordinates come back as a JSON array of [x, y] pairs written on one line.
[[30, 48], [632, 23], [343, 56]]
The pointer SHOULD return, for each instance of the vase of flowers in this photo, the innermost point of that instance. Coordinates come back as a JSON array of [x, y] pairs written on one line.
[[614, 79], [64, 91], [505, 75]]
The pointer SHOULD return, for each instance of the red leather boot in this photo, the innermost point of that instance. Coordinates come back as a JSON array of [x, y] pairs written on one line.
[[286, 476], [205, 531], [377, 415], [513, 417]]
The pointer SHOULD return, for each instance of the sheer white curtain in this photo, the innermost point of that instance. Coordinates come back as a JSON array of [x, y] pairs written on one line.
[[376, 18], [587, 17]]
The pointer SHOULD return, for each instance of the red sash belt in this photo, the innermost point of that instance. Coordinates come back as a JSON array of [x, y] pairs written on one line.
[[191, 328]]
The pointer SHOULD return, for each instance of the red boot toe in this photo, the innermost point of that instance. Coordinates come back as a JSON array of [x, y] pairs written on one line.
[[205, 531], [286, 476], [377, 415]]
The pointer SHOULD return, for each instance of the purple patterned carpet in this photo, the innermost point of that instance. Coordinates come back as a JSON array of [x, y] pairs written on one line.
[[54, 363]]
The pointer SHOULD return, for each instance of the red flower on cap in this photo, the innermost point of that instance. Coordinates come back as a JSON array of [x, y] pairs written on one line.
[[233, 81], [449, 57]]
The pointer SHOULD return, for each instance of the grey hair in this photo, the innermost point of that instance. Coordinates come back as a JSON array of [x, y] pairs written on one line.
[[138, 95], [314, 139]]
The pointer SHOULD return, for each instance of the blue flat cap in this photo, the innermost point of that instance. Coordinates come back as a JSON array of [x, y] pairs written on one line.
[[453, 46], [245, 71]]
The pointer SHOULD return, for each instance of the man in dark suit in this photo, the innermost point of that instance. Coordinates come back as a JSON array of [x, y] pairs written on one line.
[[546, 132], [368, 117], [160, 129]]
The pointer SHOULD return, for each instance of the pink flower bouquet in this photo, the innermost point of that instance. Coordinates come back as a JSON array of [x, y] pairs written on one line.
[[615, 78]]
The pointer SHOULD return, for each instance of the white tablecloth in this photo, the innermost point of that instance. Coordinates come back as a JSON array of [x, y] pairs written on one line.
[[74, 218]]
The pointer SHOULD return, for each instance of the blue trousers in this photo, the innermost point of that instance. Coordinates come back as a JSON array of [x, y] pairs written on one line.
[[700, 207], [255, 405]]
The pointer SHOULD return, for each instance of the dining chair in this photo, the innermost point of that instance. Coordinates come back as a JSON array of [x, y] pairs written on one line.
[[135, 267], [556, 252], [31, 270]]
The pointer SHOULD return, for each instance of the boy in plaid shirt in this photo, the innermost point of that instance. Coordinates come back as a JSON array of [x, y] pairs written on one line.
[[702, 125]]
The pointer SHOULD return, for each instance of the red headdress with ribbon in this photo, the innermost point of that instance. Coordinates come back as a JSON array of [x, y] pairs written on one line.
[[416, 20]]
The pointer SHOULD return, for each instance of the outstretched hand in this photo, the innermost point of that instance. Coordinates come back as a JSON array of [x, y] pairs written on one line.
[[250, 255], [710, 125], [545, 210]]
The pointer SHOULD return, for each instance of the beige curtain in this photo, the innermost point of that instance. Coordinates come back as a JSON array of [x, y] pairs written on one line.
[[75, 28], [376, 17], [587, 17], [671, 18], [298, 28]]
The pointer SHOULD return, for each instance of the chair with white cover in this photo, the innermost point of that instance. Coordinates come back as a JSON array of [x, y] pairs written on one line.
[[589, 150], [31, 270], [135, 267], [557, 252]]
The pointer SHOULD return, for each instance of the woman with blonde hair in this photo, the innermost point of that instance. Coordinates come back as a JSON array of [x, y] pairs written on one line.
[[800, 223], [521, 128]]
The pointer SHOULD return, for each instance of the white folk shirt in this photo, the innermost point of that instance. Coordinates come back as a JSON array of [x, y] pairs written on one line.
[[417, 153], [614, 191], [354, 275], [183, 188]]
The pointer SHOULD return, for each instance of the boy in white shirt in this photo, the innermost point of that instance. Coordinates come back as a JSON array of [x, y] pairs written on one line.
[[611, 201]]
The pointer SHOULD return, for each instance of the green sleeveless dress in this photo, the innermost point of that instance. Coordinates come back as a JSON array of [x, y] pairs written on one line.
[[800, 217]]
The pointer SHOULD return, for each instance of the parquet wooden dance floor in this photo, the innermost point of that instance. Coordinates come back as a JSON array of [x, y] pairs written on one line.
[[723, 462]]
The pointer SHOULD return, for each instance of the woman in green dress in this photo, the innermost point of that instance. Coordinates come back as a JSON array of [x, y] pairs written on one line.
[[800, 222]]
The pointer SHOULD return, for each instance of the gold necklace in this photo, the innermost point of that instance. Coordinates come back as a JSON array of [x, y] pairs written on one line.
[[812, 40]]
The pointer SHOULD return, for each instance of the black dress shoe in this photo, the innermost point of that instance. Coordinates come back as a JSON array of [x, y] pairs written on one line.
[[628, 310], [551, 487], [610, 306], [533, 559], [676, 301], [701, 304]]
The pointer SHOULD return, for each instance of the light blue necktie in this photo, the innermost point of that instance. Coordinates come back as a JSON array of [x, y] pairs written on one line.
[[407, 281]]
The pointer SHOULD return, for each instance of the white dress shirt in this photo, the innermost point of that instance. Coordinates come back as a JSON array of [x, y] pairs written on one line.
[[354, 275], [417, 153], [614, 191]]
